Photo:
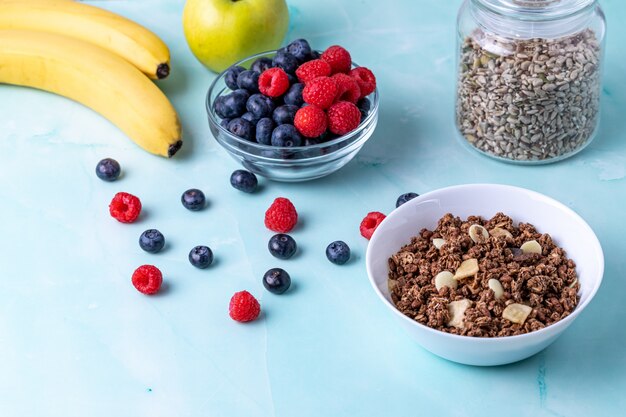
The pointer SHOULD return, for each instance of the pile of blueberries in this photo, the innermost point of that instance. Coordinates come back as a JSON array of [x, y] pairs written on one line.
[[250, 115]]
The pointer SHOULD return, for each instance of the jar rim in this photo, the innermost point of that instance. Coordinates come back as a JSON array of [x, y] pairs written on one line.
[[535, 10]]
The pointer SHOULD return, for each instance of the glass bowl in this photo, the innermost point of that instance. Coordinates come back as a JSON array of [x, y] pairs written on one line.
[[289, 164]]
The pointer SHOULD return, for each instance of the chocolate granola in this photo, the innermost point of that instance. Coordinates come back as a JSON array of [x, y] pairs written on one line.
[[483, 278]]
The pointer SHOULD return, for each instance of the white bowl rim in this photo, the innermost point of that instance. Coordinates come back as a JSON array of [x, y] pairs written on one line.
[[595, 245]]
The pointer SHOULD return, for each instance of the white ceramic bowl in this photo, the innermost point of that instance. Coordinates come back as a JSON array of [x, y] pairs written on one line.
[[567, 229]]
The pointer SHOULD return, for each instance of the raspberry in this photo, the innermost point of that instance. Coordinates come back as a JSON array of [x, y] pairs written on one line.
[[147, 279], [343, 117], [348, 89], [273, 82], [243, 307], [125, 207], [310, 121], [370, 223], [281, 217], [365, 79], [338, 58], [313, 69], [320, 91]]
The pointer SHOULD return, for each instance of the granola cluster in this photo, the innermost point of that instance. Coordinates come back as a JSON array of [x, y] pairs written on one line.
[[483, 278]]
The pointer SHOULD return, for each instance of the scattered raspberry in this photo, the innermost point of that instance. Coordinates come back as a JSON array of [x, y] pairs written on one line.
[[281, 217], [310, 121], [320, 91], [273, 82], [365, 79], [125, 207], [343, 117], [338, 58], [347, 88], [313, 69], [243, 307], [147, 279], [370, 223]]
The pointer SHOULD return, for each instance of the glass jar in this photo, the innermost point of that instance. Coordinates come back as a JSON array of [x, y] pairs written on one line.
[[529, 77]]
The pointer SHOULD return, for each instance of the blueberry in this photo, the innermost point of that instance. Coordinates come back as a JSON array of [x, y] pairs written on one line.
[[260, 105], [404, 198], [250, 117], [286, 61], [193, 199], [244, 181], [242, 128], [315, 55], [282, 246], [249, 80], [276, 280], [294, 95], [230, 78], [286, 135], [151, 241], [201, 257], [224, 123], [338, 252], [301, 49], [231, 105], [292, 79], [311, 141], [285, 114], [364, 107], [261, 64], [264, 129], [108, 169]]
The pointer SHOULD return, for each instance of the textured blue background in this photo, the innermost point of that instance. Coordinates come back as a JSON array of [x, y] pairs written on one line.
[[76, 339]]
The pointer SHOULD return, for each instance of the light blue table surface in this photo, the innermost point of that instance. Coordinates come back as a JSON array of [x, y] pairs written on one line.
[[76, 339]]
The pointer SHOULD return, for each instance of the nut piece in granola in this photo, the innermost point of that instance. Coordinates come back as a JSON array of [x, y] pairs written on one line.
[[516, 313], [438, 242], [457, 312], [500, 232], [478, 233], [496, 287], [468, 268], [532, 246], [445, 279]]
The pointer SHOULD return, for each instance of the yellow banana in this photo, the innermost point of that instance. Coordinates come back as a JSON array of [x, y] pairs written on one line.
[[92, 24], [96, 78]]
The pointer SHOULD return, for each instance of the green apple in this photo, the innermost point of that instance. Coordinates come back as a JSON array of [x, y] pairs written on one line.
[[222, 32]]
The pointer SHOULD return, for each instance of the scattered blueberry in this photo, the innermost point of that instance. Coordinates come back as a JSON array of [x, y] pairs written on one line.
[[193, 199], [224, 123], [285, 114], [301, 49], [260, 105], [282, 246], [152, 241], [261, 64], [286, 61], [230, 78], [294, 95], [404, 198], [242, 128], [250, 117], [276, 280], [264, 129], [249, 80], [231, 105], [108, 170], [244, 181], [338, 252], [201, 257], [287, 136]]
